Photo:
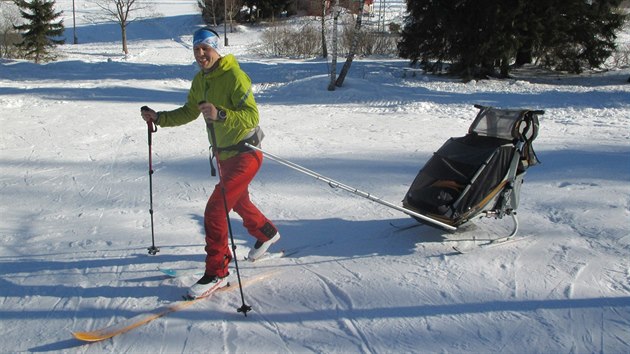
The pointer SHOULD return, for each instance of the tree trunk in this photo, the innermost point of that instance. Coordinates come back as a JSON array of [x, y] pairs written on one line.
[[333, 65], [353, 47], [505, 68], [123, 31], [324, 48], [524, 54]]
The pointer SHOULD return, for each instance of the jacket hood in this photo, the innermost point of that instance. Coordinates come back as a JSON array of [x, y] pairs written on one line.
[[226, 64]]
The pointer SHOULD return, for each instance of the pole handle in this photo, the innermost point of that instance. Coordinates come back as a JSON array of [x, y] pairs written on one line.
[[150, 124], [151, 127]]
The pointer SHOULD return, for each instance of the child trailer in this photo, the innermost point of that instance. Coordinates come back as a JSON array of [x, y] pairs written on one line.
[[479, 174]]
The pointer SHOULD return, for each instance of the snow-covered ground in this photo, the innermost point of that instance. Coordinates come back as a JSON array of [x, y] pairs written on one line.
[[75, 226]]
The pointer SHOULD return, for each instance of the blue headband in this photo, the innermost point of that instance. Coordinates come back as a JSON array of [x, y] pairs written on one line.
[[204, 36]]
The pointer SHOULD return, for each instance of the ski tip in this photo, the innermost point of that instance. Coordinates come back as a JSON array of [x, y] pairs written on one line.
[[169, 272], [87, 337]]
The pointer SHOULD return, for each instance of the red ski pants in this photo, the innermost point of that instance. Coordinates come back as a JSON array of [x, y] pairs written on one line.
[[236, 174]]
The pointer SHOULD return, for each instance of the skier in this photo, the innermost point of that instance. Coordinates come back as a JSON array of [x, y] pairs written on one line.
[[222, 92]]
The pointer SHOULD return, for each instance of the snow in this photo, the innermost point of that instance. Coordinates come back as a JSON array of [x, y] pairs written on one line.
[[75, 225]]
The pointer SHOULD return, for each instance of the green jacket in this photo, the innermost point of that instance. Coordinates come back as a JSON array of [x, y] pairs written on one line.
[[228, 88]]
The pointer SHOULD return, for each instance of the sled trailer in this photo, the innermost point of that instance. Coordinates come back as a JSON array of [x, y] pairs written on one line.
[[481, 173]]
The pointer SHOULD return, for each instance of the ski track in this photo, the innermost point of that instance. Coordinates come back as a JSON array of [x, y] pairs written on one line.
[[274, 328], [342, 300]]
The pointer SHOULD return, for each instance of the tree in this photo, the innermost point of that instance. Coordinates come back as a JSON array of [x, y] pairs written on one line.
[[333, 66], [40, 34], [480, 36], [270, 8], [353, 46], [9, 16], [123, 12], [324, 47], [210, 9], [233, 8], [427, 34], [587, 36]]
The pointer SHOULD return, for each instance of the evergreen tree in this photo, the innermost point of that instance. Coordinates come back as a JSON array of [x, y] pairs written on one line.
[[427, 33], [583, 35], [480, 37], [486, 40], [40, 34]]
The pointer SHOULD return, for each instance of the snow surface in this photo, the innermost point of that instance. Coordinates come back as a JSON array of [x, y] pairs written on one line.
[[75, 225]]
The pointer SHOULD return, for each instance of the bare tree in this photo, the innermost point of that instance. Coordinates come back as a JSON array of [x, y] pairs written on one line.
[[209, 10], [9, 17], [123, 12], [333, 68], [353, 46], [324, 48], [232, 10]]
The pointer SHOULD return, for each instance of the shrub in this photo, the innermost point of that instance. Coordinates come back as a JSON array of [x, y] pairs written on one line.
[[304, 41], [291, 41]]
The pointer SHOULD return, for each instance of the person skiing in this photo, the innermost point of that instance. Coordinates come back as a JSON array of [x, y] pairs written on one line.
[[221, 91]]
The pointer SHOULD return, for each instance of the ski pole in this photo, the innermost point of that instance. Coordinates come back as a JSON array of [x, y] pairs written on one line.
[[151, 128], [244, 308], [335, 184]]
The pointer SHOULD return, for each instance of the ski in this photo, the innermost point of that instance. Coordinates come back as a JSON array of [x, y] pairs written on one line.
[[490, 244], [176, 273], [286, 252], [142, 319], [405, 227], [205, 294], [267, 256]]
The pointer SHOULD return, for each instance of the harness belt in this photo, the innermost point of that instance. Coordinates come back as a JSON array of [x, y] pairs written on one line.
[[253, 138]]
